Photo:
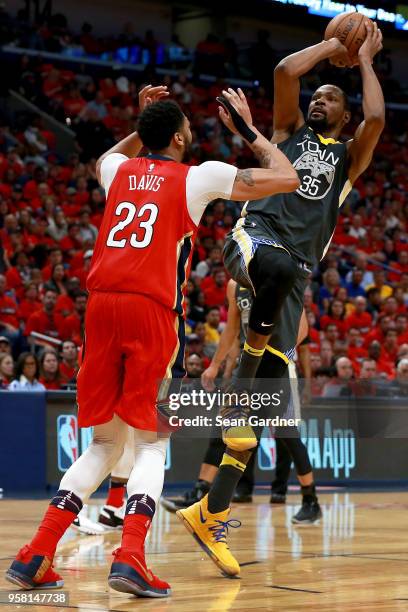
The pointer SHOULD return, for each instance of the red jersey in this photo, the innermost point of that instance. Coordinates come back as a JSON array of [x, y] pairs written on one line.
[[145, 242]]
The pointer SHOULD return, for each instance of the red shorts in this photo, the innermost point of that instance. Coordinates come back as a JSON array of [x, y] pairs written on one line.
[[131, 344]]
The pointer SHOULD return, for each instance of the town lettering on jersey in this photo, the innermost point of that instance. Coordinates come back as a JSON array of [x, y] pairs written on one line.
[[323, 154], [147, 182]]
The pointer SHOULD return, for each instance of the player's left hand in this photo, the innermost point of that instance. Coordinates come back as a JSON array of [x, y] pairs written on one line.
[[149, 95], [372, 44], [239, 102]]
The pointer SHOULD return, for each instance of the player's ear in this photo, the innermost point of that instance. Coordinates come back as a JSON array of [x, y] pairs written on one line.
[[179, 139], [346, 117]]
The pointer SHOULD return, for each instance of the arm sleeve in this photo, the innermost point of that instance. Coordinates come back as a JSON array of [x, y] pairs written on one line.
[[109, 167], [207, 182]]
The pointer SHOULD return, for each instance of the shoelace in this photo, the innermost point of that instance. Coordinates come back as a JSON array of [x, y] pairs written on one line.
[[220, 531]]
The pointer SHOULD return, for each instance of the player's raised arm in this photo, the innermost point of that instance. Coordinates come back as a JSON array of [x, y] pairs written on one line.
[[277, 174], [228, 336], [287, 116], [362, 146], [131, 145]]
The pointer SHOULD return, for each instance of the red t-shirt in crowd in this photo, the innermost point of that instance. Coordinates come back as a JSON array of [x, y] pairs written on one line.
[[67, 373], [339, 323], [361, 321], [8, 311], [43, 323], [26, 309]]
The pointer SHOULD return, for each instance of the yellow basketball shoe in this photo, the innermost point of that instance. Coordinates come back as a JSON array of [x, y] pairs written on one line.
[[237, 433], [210, 531]]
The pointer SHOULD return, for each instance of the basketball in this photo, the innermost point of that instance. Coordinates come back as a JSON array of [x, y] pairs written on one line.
[[350, 29]]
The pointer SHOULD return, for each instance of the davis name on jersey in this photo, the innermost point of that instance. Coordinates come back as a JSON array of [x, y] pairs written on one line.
[[146, 182]]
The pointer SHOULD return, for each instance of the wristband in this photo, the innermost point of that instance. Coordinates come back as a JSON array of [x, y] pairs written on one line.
[[237, 120]]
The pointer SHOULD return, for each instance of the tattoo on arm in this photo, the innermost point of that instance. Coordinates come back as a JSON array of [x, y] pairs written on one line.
[[245, 176], [264, 157]]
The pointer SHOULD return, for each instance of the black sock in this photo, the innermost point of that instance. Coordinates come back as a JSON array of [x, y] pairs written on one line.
[[249, 363], [309, 493], [225, 482]]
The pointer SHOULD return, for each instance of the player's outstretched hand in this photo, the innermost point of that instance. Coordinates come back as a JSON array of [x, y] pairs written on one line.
[[208, 377], [150, 94], [372, 44], [238, 100]]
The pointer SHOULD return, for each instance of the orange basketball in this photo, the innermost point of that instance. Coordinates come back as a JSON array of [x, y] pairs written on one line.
[[350, 29]]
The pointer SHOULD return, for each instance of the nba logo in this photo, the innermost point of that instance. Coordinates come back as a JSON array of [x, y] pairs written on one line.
[[67, 441], [267, 451]]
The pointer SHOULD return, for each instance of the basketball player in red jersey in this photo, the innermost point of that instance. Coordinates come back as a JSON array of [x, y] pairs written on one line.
[[134, 329]]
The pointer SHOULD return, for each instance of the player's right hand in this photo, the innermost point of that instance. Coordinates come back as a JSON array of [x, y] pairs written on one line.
[[149, 95], [372, 44], [208, 377]]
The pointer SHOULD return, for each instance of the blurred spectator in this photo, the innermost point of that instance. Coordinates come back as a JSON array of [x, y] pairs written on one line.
[[335, 316], [214, 260], [49, 371], [194, 366], [29, 304], [68, 367], [215, 290], [338, 386], [331, 283], [26, 374], [87, 231], [368, 369], [5, 346], [380, 284], [45, 321], [72, 327], [327, 354], [212, 332], [58, 280], [360, 318], [399, 387], [6, 370], [383, 366], [355, 351], [9, 325]]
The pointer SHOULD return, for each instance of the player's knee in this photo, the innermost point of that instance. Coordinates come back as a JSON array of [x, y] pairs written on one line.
[[280, 275]]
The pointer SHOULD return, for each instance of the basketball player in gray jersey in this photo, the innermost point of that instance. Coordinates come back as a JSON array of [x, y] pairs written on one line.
[[273, 248]]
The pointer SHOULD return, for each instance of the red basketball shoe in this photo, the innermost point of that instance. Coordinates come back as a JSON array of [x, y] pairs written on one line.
[[33, 570], [129, 574]]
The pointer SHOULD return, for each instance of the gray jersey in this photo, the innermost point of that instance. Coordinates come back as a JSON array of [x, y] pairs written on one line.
[[303, 222]]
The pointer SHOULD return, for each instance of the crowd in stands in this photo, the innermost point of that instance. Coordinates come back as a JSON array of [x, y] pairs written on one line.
[[222, 58], [51, 209]]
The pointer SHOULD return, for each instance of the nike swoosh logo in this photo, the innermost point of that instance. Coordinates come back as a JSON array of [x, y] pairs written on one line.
[[266, 324], [147, 573], [202, 519]]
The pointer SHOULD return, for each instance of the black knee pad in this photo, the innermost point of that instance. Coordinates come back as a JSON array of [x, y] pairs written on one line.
[[274, 268], [274, 274]]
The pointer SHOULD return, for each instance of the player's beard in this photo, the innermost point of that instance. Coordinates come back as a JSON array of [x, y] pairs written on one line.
[[318, 124]]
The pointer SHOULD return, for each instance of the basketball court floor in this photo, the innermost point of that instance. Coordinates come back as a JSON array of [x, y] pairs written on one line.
[[355, 559]]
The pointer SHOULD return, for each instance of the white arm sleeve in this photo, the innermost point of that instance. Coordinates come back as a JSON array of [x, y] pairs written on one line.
[[207, 182], [109, 167]]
